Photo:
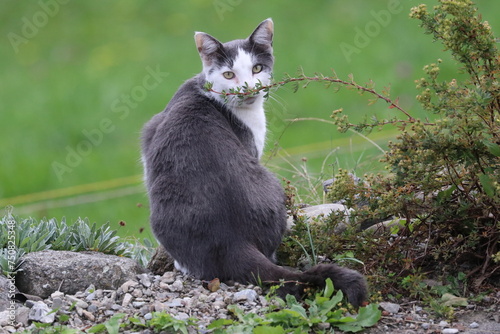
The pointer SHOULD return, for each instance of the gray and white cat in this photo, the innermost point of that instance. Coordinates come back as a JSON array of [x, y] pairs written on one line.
[[215, 209]]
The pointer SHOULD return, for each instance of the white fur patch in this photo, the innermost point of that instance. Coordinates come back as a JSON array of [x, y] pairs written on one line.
[[181, 268], [250, 112]]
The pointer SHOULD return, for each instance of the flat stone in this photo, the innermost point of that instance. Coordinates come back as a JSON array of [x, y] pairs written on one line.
[[450, 331], [176, 302], [69, 272], [128, 284], [144, 280], [182, 316], [40, 312], [474, 325], [57, 303], [92, 308], [127, 299], [138, 304], [89, 316], [22, 315], [90, 297], [247, 295], [169, 277], [443, 323], [176, 286], [390, 307], [57, 294], [78, 302]]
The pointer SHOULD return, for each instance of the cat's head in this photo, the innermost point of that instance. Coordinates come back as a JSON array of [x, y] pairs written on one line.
[[238, 63]]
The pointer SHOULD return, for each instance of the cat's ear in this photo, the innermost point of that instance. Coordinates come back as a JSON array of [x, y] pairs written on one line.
[[207, 46], [263, 34]]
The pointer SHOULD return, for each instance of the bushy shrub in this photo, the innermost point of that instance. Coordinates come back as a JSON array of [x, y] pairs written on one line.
[[444, 174]]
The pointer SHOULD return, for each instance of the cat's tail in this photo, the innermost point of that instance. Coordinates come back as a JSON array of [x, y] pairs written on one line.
[[261, 269]]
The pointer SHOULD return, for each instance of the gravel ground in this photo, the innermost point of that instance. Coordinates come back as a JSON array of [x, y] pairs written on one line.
[[184, 297]]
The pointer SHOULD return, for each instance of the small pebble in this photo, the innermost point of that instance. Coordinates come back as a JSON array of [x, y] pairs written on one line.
[[115, 307], [390, 307], [144, 279], [92, 308], [77, 302], [90, 289], [168, 277], [57, 303], [138, 304], [450, 331], [128, 285], [182, 316], [474, 325], [177, 302], [89, 316], [57, 294], [443, 324], [90, 297], [176, 286], [127, 299], [247, 295], [137, 293]]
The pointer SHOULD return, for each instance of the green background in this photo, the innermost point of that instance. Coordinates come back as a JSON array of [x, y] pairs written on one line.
[[73, 68]]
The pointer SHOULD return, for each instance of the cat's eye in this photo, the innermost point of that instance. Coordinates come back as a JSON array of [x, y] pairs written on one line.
[[257, 68], [228, 75]]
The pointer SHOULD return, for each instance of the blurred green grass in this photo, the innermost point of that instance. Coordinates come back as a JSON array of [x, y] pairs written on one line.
[[80, 61]]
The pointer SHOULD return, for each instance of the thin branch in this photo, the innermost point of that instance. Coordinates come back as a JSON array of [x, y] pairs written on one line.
[[329, 80]]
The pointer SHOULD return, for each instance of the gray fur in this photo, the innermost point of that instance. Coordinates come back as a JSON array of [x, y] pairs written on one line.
[[216, 210]]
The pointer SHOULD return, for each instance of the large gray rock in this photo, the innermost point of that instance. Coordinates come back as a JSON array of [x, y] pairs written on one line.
[[69, 272]]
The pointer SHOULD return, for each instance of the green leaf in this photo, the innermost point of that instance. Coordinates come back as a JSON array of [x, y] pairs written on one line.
[[350, 328], [97, 328], [268, 330], [219, 323], [487, 184], [369, 315], [328, 288], [300, 310], [113, 324], [63, 318], [493, 148], [136, 321]]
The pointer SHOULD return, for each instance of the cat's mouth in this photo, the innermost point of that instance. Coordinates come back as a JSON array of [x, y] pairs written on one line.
[[250, 100]]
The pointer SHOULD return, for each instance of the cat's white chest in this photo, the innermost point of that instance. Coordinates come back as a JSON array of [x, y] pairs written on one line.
[[254, 118]]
